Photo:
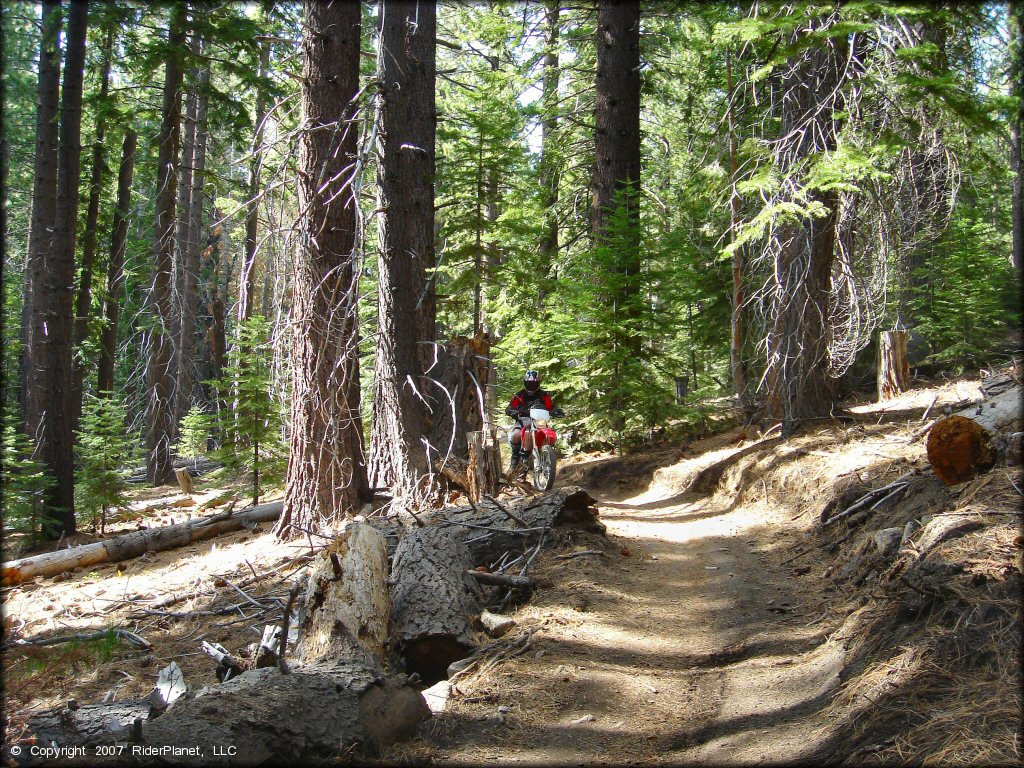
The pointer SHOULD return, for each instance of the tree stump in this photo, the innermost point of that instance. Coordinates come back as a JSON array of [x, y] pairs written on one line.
[[483, 473], [434, 600], [184, 481], [893, 369]]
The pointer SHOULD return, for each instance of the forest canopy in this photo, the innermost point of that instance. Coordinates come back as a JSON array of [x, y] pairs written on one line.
[[249, 224]]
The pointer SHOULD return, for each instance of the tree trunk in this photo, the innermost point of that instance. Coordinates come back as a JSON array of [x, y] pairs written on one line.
[[616, 181], [456, 380], [739, 373], [797, 375], [893, 369], [191, 250], [398, 455], [345, 611], [247, 283], [115, 266], [83, 304], [434, 600], [49, 377], [136, 543], [159, 428], [973, 440], [44, 204], [550, 159], [182, 234], [1017, 166], [326, 473]]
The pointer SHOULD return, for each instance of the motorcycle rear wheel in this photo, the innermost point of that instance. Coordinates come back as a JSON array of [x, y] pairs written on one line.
[[544, 465]]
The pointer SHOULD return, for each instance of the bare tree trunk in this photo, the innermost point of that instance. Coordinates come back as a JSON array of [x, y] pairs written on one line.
[[326, 473], [188, 292], [550, 161], [1015, 141], [183, 236], [739, 373], [158, 374], [247, 284], [83, 304], [49, 377], [44, 196], [616, 179], [398, 454], [115, 267], [797, 377]]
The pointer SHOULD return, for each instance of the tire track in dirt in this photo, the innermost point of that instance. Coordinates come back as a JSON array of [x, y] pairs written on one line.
[[689, 649]]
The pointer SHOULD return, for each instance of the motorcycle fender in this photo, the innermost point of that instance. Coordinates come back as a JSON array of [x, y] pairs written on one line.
[[545, 437]]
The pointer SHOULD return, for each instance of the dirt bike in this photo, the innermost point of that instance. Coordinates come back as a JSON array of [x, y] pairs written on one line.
[[542, 461]]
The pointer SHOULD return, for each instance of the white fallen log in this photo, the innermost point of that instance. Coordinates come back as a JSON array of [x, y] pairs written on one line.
[[136, 543]]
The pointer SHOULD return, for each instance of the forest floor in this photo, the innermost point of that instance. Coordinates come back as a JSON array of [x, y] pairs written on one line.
[[726, 627]]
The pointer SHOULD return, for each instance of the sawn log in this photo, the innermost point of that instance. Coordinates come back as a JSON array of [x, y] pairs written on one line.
[[973, 440]]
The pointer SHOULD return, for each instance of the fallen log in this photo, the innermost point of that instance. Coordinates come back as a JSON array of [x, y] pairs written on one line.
[[489, 531], [136, 543], [80, 725], [328, 706], [973, 440], [318, 711], [434, 600], [344, 613]]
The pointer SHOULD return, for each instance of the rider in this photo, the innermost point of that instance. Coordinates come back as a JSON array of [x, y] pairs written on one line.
[[530, 396]]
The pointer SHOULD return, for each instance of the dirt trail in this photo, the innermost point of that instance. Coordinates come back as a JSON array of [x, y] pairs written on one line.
[[693, 647]]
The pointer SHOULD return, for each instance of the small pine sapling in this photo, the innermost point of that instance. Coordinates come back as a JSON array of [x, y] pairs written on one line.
[[104, 450], [193, 433], [25, 483], [252, 439]]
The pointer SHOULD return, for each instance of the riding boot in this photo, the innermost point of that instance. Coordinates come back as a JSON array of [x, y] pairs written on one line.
[[517, 457]]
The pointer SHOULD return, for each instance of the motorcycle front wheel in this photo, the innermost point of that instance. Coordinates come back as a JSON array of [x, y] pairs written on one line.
[[544, 463]]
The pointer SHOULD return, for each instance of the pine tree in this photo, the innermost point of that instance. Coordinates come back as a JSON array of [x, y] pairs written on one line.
[[326, 470], [104, 450], [251, 433], [193, 433], [25, 485]]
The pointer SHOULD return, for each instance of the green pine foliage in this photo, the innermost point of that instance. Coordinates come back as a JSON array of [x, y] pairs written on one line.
[[251, 434], [25, 483], [193, 433], [105, 451]]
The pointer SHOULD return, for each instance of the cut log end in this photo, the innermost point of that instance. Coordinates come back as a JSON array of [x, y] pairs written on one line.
[[958, 449]]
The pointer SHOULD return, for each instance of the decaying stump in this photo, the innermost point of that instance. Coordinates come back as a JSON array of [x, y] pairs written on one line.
[[893, 369], [483, 473], [456, 470], [434, 600], [972, 441], [345, 611], [184, 481], [136, 543]]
